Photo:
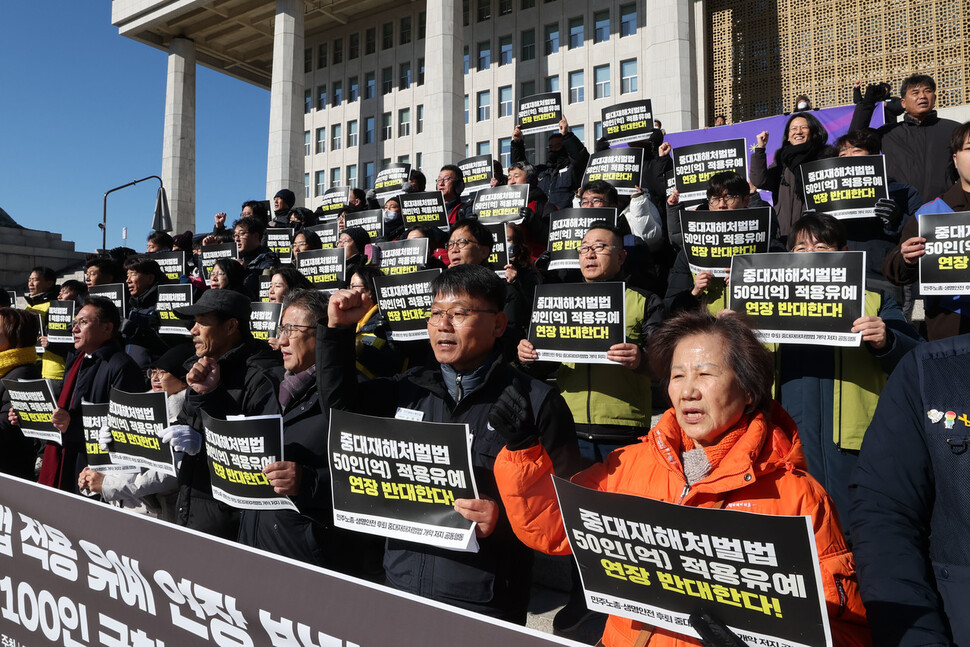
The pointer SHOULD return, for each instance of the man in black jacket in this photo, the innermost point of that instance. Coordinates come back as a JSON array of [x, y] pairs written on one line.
[[563, 171], [231, 374], [917, 148], [468, 379]]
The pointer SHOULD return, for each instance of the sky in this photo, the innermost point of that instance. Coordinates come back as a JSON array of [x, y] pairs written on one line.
[[82, 111]]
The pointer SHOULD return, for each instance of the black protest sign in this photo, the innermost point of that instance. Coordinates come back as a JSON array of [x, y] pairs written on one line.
[[621, 167], [659, 562], [845, 187], [329, 233], [405, 300], [476, 173], [402, 256], [628, 122], [540, 112], [335, 200], [945, 268], [174, 264], [265, 319], [578, 322], [60, 315], [501, 203], [371, 221], [696, 163], [92, 574], [280, 241], [326, 269], [711, 238], [400, 478], [136, 421], [212, 253], [237, 450], [34, 402], [171, 297], [499, 257], [800, 298], [93, 417], [391, 180], [426, 208], [566, 230], [116, 293], [264, 283]]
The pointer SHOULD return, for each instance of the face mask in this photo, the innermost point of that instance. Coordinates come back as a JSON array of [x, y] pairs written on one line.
[[391, 215], [802, 105]]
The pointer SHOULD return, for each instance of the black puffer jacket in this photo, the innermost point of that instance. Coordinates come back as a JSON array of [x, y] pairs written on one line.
[[18, 452]]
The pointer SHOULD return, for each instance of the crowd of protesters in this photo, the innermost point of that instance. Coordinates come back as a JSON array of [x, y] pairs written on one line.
[[859, 450]]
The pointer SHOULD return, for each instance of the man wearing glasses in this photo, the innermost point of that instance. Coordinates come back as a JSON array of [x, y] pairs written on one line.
[[467, 382], [451, 183], [253, 254]]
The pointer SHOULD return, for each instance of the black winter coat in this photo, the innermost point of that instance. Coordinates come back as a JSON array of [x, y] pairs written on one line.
[[17, 452]]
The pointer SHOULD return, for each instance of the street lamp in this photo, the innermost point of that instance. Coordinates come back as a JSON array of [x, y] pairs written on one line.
[[162, 220]]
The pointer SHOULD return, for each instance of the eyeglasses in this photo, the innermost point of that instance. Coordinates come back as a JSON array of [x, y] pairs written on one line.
[[445, 179], [724, 199], [82, 323], [345, 241], [460, 243], [360, 286], [289, 329], [592, 202], [457, 316], [597, 248], [155, 372], [241, 234]]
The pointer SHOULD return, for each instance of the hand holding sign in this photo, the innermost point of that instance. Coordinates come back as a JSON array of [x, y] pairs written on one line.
[[912, 249], [12, 418], [285, 477], [873, 330], [182, 438], [61, 419], [625, 354], [483, 512]]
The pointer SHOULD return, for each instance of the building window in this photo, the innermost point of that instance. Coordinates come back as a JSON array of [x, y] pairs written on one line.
[[322, 55], [598, 130], [527, 51], [338, 93], [368, 174], [421, 71], [527, 4], [466, 110], [387, 128], [601, 26], [352, 175], [576, 32], [405, 30], [552, 83], [552, 39], [419, 126], [322, 97], [418, 158], [353, 89], [370, 85], [321, 182], [505, 151], [527, 88], [405, 75], [307, 61], [403, 159], [306, 186], [422, 24], [628, 76], [484, 10], [387, 35], [353, 47], [307, 101], [466, 12], [334, 177], [387, 80], [321, 140], [504, 7], [576, 89], [580, 132], [306, 142], [335, 136], [601, 77], [404, 122], [505, 50], [338, 51], [483, 148], [370, 40], [628, 19], [351, 133], [368, 130], [484, 105], [467, 57], [484, 54], [505, 101]]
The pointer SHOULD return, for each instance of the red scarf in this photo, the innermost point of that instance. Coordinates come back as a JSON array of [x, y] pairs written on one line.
[[52, 465]]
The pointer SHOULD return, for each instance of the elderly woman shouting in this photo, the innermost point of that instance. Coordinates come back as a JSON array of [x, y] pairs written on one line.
[[723, 443]]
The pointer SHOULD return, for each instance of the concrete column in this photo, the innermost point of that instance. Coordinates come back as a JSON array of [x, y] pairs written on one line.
[[284, 163], [178, 147], [444, 83], [668, 70]]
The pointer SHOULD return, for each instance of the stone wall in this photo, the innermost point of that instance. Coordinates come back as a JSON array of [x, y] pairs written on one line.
[[23, 249]]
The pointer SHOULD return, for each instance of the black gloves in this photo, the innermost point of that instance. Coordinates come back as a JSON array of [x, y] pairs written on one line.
[[512, 417], [888, 211], [877, 92], [713, 632]]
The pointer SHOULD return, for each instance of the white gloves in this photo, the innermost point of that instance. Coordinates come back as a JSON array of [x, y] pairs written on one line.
[[104, 437], [182, 438]]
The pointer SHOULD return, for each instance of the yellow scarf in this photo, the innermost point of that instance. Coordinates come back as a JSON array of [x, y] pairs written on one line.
[[16, 357]]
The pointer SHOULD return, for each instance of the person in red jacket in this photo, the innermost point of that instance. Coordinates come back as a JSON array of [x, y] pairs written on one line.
[[723, 443]]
